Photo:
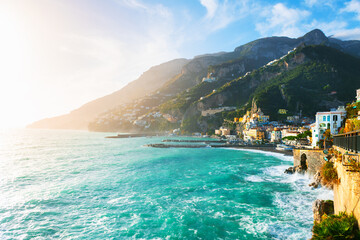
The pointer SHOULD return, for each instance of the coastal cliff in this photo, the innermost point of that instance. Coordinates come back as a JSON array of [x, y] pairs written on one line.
[[347, 191], [346, 187]]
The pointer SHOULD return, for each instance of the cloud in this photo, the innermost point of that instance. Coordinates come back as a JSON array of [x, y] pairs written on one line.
[[353, 7], [220, 14], [211, 7], [311, 3], [318, 3], [282, 21], [156, 9], [348, 34], [329, 28]]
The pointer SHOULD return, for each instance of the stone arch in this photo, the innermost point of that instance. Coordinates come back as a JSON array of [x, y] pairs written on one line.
[[303, 162]]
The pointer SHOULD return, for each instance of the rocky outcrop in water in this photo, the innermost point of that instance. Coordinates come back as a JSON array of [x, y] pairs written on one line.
[[321, 207], [317, 180], [295, 169]]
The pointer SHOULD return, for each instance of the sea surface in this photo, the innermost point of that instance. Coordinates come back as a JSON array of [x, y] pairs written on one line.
[[80, 185]]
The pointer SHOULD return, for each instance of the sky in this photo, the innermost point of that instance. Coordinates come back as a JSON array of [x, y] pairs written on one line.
[[56, 55]]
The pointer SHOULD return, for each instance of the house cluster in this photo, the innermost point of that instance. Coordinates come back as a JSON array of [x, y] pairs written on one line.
[[137, 113], [254, 126]]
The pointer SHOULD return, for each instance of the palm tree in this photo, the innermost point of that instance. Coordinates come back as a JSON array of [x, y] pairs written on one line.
[[327, 136]]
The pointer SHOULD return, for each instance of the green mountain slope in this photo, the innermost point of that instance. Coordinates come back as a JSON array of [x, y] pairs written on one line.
[[326, 79], [310, 79]]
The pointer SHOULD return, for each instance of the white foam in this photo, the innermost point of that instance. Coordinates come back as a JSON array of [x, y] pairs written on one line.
[[254, 178], [280, 156]]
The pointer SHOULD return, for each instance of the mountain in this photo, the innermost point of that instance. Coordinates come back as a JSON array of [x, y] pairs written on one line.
[[148, 82], [175, 95], [309, 79]]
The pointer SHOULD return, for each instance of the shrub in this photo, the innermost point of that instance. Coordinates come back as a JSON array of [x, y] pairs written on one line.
[[328, 174], [333, 227]]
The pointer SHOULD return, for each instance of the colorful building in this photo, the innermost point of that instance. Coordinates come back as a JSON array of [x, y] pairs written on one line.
[[276, 135]]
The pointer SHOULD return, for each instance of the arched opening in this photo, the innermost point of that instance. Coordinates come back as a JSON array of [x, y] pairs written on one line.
[[303, 162]]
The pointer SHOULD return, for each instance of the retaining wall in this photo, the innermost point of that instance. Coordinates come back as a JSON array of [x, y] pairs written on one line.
[[347, 192], [313, 159]]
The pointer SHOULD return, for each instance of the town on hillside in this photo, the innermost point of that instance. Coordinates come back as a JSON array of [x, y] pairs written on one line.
[[296, 131]]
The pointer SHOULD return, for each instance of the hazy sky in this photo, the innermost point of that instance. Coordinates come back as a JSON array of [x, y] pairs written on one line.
[[56, 55]]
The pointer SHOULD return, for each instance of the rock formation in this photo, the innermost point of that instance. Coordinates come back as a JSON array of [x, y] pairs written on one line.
[[321, 207], [317, 180]]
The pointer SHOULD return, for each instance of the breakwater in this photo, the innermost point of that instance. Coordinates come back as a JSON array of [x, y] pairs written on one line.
[[263, 147], [162, 145], [194, 141], [131, 135]]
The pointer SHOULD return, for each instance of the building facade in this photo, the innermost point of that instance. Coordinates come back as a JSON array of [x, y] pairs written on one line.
[[276, 135], [327, 120]]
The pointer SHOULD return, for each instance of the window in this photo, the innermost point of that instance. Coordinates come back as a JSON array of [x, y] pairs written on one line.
[[324, 118], [328, 118], [316, 135], [335, 118]]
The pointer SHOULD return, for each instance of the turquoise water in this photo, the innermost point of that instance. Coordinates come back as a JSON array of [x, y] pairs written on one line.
[[79, 185]]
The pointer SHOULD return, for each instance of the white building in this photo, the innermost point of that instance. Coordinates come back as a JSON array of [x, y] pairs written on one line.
[[327, 120], [358, 95], [276, 136]]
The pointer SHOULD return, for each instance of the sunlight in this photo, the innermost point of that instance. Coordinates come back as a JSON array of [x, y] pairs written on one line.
[[14, 62]]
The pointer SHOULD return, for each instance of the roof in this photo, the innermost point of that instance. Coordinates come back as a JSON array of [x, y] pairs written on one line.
[[326, 113]]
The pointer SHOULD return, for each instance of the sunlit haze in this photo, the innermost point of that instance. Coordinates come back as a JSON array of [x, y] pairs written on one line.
[[57, 55]]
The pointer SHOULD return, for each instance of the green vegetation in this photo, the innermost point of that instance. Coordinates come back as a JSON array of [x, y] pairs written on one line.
[[303, 135], [328, 207], [352, 110], [190, 125], [328, 174], [178, 105], [325, 76], [336, 227], [230, 115], [161, 125]]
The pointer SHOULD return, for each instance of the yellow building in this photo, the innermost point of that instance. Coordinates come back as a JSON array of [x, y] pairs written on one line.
[[254, 134], [282, 111], [260, 135]]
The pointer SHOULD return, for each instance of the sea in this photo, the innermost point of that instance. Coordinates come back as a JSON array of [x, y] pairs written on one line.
[[80, 185]]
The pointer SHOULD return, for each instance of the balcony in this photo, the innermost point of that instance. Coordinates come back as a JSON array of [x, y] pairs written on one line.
[[349, 141]]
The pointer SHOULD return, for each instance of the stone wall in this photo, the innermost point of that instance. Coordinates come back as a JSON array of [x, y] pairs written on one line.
[[347, 192], [313, 159]]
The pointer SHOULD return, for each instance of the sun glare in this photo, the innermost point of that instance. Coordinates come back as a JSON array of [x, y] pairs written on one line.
[[14, 64]]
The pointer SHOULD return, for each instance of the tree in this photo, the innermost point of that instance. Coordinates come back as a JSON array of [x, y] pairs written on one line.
[[327, 136]]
